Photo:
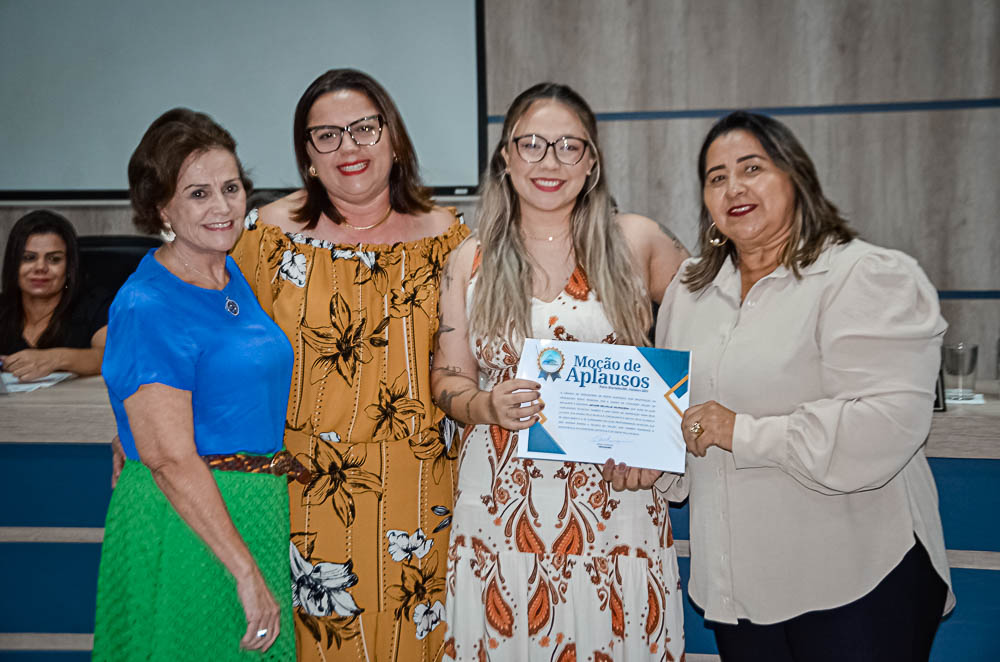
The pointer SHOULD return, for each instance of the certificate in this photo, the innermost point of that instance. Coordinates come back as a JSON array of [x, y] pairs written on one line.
[[606, 401]]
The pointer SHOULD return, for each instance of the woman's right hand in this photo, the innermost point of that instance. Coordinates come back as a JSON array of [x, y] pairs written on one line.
[[623, 477], [261, 610], [505, 402], [117, 460], [162, 423]]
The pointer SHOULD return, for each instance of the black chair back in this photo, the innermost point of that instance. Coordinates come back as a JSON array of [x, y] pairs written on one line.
[[106, 261]]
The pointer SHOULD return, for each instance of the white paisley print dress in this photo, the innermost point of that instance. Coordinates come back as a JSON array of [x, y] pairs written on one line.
[[546, 562]]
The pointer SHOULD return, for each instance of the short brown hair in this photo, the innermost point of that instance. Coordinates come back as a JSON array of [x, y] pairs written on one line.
[[818, 222], [407, 194], [156, 162]]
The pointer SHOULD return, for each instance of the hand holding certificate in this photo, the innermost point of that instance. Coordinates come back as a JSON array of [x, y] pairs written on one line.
[[606, 401]]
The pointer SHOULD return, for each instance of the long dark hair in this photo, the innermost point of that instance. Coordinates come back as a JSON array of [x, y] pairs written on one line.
[[407, 194], [41, 221], [817, 220]]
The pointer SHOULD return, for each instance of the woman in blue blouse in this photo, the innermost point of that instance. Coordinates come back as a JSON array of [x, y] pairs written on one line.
[[195, 557]]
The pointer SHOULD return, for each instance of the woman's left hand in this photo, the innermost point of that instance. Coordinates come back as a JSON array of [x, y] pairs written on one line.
[[708, 424], [31, 364]]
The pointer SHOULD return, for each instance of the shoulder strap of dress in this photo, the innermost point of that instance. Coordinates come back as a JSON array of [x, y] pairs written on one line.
[[477, 259]]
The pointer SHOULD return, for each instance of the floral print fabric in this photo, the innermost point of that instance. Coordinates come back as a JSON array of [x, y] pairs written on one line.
[[370, 530], [546, 562]]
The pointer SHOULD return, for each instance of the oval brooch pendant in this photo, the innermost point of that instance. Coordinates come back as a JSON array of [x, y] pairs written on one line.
[[232, 307]]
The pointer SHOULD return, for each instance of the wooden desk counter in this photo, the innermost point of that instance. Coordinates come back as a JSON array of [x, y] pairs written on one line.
[[78, 411], [74, 411], [968, 431]]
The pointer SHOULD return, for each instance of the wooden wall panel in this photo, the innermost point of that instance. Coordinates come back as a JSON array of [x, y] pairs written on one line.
[[683, 54], [924, 181]]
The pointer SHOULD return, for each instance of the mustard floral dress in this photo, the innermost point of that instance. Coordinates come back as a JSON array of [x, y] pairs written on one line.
[[370, 529], [547, 563]]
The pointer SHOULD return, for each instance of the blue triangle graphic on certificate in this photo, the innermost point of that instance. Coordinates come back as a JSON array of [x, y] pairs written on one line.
[[539, 441], [670, 364]]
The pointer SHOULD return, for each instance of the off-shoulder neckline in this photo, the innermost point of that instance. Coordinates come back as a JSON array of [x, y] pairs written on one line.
[[300, 238]]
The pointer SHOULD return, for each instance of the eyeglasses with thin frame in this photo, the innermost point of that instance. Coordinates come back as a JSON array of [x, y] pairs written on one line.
[[532, 148], [365, 132]]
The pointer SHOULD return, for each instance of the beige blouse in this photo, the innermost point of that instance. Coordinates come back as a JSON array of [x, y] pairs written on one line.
[[832, 379]]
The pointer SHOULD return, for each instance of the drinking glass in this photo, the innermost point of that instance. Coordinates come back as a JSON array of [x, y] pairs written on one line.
[[959, 364]]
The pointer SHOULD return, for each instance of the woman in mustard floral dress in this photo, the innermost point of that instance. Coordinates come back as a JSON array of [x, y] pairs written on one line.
[[546, 564], [349, 267]]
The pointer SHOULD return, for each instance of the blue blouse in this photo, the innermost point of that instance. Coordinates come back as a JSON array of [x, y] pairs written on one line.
[[238, 368]]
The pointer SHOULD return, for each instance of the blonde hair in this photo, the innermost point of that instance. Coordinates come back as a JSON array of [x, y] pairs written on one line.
[[501, 302]]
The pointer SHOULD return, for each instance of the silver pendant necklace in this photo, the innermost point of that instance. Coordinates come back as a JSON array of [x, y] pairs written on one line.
[[231, 306]]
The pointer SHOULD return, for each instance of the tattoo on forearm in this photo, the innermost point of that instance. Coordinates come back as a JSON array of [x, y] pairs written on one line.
[[446, 397], [442, 329], [468, 407], [450, 370]]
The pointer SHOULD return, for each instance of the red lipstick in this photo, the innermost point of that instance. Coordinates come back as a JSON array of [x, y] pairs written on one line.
[[353, 168], [741, 210], [548, 185]]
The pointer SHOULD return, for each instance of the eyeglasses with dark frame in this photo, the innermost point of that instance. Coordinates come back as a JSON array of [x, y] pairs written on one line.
[[365, 132], [532, 148]]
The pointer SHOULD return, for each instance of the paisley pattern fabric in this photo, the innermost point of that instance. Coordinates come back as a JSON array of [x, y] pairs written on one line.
[[369, 533], [546, 562]]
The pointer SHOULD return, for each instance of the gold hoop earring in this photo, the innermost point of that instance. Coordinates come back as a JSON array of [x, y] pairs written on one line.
[[718, 241], [312, 171]]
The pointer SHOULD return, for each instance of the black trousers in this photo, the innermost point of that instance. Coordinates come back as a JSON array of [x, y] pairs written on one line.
[[895, 622]]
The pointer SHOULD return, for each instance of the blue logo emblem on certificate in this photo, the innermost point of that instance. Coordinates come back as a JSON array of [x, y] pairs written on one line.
[[604, 400], [550, 362]]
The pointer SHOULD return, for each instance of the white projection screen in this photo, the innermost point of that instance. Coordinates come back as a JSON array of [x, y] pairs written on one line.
[[80, 82]]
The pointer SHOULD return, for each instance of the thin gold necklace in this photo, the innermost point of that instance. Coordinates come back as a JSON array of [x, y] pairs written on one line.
[[551, 237], [377, 223]]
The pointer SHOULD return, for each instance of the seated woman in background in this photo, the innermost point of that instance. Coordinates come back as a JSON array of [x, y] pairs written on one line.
[[194, 563], [46, 322]]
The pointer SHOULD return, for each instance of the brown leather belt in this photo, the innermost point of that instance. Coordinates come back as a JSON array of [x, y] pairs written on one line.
[[281, 464]]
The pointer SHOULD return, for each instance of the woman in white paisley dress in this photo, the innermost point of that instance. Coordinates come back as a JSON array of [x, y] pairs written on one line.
[[545, 561]]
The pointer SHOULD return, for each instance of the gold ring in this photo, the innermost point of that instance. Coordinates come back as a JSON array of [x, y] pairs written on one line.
[[696, 429]]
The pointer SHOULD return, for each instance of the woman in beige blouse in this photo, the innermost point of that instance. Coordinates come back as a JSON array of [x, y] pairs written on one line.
[[815, 532]]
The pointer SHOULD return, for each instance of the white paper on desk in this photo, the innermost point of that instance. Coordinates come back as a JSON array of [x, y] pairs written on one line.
[[15, 385], [604, 401]]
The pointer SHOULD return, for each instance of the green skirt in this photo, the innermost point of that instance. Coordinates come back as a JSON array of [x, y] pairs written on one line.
[[161, 592]]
